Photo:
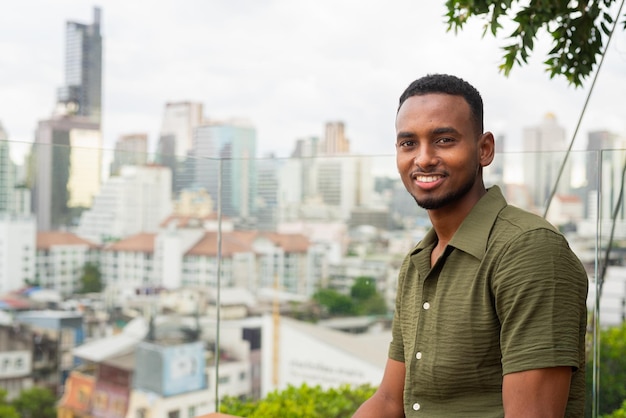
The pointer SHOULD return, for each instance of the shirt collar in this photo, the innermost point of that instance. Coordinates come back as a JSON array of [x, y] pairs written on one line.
[[472, 235]]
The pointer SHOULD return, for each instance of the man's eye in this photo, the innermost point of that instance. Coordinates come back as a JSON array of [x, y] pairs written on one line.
[[407, 143], [444, 140]]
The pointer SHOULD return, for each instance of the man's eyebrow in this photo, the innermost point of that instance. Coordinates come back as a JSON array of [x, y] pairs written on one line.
[[444, 130]]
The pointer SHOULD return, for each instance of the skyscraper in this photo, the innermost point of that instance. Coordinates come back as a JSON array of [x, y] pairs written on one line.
[[7, 173], [229, 147], [82, 92], [67, 153], [66, 156], [176, 140], [544, 151], [335, 141], [130, 149]]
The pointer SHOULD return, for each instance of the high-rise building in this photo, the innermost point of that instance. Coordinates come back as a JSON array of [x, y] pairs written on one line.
[[17, 251], [545, 149], [130, 149], [335, 141], [224, 152], [604, 166], [82, 92], [67, 154], [7, 173], [180, 119]]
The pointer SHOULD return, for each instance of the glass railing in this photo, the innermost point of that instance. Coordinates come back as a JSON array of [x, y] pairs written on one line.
[[151, 281]]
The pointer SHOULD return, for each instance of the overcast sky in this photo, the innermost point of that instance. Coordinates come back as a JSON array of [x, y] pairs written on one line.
[[288, 66]]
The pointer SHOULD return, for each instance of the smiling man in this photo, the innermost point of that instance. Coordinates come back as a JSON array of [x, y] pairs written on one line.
[[490, 314]]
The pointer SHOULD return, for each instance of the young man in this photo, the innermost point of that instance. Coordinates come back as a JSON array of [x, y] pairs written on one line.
[[490, 315]]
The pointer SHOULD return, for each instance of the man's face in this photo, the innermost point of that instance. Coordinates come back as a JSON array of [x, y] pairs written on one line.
[[439, 152]]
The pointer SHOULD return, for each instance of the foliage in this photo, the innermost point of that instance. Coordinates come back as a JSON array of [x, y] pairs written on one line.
[[366, 298], [6, 409], [579, 31], [36, 402], [301, 402], [612, 363], [334, 302], [619, 413], [91, 279], [363, 288]]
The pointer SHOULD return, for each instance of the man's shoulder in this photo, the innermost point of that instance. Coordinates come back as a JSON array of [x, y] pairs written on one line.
[[522, 220]]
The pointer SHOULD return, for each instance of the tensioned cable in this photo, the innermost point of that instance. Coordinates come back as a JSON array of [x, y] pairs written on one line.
[[582, 113]]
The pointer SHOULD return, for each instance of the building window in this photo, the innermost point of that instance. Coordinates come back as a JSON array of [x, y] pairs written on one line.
[[174, 414], [191, 412]]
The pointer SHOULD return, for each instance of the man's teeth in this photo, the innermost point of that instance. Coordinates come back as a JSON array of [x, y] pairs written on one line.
[[427, 179]]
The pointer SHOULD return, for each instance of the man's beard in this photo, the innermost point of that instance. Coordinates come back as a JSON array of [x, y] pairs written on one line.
[[429, 203]]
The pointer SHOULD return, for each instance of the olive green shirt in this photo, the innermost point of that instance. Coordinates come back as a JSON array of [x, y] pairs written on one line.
[[507, 295]]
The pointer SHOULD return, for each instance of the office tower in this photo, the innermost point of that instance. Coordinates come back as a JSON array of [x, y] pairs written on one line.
[[66, 159], [17, 251], [130, 149], [545, 149], [7, 173], [268, 190], [494, 173], [82, 92], [225, 152], [335, 141], [176, 140], [304, 154], [344, 184], [604, 164], [136, 201]]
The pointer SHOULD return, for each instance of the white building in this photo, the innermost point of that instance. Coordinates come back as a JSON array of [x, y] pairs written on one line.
[[61, 257], [545, 148], [612, 297], [134, 202], [17, 251], [296, 352], [191, 256], [179, 121]]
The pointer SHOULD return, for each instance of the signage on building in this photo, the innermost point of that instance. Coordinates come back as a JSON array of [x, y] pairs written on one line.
[[15, 364]]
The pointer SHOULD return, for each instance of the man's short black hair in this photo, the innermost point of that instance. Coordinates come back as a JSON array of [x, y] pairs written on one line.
[[448, 84]]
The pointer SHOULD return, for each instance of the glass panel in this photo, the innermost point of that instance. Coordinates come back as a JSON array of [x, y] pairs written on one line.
[[237, 276]]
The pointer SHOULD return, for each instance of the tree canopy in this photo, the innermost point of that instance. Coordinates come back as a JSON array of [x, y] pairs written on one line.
[[612, 363], [91, 279], [579, 31], [301, 402]]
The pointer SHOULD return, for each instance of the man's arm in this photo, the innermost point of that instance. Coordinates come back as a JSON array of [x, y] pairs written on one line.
[[387, 401], [539, 393]]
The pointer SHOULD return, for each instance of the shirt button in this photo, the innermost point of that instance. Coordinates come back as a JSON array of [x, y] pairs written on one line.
[[416, 406], [426, 305], [418, 355]]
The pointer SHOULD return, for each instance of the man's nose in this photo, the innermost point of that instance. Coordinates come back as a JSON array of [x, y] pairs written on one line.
[[425, 157]]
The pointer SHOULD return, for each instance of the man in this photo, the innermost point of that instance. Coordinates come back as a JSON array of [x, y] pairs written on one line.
[[490, 315]]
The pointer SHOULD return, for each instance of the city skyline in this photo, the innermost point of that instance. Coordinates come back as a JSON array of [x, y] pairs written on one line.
[[286, 68]]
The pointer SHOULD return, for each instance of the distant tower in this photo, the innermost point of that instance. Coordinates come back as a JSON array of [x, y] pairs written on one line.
[[7, 173], [335, 141], [544, 148], [233, 144], [130, 150], [67, 155], [604, 163], [180, 119], [82, 93]]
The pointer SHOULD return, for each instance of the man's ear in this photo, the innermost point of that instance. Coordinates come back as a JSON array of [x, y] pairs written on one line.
[[486, 148]]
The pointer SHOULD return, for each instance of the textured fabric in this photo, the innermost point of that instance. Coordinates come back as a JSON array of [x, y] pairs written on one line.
[[507, 295]]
